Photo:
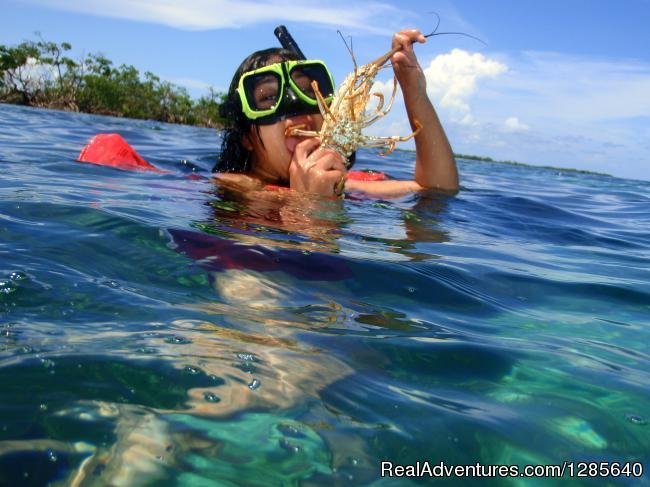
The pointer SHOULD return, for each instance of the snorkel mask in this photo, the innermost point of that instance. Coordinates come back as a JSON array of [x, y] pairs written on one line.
[[281, 90]]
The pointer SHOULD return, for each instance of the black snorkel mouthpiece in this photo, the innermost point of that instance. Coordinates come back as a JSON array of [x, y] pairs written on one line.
[[287, 41]]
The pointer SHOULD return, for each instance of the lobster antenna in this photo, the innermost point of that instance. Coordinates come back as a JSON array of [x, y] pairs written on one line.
[[349, 48], [437, 23], [435, 32]]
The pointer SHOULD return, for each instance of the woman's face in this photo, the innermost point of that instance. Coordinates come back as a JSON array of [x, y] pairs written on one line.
[[272, 150]]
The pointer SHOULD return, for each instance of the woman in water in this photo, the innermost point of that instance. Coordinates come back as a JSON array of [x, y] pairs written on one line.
[[256, 152]]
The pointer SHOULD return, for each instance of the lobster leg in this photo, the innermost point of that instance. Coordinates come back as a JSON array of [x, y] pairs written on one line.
[[380, 142], [391, 141], [381, 113], [380, 103], [297, 132], [322, 104]]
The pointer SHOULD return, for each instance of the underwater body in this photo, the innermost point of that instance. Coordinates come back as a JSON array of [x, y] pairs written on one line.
[[159, 330]]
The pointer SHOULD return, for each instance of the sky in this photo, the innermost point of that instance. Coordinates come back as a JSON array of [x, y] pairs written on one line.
[[563, 83]]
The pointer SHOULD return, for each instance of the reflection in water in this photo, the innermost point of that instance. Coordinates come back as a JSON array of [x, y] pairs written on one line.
[[267, 370], [136, 408], [261, 370], [422, 225], [307, 226], [281, 218], [218, 254]]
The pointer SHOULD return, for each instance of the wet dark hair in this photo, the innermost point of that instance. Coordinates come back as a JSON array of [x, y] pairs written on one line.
[[234, 157]]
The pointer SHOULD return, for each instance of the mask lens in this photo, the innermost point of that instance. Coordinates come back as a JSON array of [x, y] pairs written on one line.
[[303, 74], [263, 90]]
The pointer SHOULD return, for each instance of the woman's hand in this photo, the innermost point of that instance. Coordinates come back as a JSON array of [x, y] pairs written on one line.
[[405, 63], [316, 170]]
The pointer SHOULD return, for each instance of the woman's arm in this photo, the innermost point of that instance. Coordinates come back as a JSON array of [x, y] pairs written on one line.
[[435, 167]]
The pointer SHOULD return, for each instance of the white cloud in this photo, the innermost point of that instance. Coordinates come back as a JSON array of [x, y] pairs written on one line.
[[558, 86], [452, 80], [513, 124], [468, 119], [570, 111], [218, 14]]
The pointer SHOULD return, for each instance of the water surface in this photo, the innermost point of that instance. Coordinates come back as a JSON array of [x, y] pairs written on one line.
[[159, 330]]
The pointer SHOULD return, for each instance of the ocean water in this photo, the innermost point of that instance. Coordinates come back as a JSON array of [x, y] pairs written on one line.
[[160, 330]]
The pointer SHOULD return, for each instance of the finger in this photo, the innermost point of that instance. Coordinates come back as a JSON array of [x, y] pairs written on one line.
[[415, 35], [406, 38], [328, 160], [305, 149], [411, 34], [328, 154], [339, 166], [401, 40], [335, 180], [336, 165]]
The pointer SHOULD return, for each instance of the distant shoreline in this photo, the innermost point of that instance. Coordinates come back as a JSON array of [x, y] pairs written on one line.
[[522, 164], [41, 74], [515, 163]]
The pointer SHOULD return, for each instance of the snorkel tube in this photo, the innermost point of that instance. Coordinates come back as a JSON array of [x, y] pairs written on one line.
[[288, 42]]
